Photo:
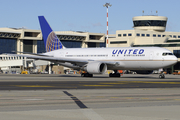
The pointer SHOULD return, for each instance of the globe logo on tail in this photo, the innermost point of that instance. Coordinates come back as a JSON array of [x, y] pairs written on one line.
[[53, 43]]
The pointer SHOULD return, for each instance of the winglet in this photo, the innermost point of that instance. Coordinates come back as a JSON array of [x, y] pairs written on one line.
[[51, 41]]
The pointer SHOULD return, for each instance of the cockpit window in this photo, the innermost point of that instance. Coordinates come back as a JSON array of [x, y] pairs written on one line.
[[164, 54]]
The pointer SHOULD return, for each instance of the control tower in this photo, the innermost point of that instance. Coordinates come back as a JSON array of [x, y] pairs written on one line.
[[150, 23]]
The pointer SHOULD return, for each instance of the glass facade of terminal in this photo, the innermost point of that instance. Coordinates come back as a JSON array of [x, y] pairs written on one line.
[[91, 45], [102, 44], [8, 45], [28, 46], [66, 43], [141, 23], [40, 46], [177, 53], [158, 45], [71, 44]]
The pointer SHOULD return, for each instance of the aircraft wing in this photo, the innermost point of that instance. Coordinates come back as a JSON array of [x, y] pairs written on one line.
[[63, 60], [51, 58]]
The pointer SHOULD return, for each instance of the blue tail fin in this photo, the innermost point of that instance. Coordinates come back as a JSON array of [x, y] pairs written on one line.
[[51, 41]]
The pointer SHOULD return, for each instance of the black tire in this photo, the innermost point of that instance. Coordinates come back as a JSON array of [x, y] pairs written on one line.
[[90, 75], [115, 75], [110, 75], [82, 75], [161, 76]]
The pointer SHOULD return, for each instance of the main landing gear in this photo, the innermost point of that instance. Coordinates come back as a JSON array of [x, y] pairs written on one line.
[[86, 75], [161, 76], [115, 74]]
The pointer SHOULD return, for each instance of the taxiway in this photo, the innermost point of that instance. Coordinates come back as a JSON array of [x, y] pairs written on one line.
[[70, 97]]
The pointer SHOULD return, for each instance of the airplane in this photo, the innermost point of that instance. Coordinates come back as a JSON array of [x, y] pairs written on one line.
[[143, 60]]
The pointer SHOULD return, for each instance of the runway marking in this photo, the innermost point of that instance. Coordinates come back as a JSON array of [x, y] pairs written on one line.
[[177, 99], [33, 99], [97, 85], [128, 82], [40, 86], [129, 98], [115, 83], [32, 86], [157, 82], [100, 96], [76, 100]]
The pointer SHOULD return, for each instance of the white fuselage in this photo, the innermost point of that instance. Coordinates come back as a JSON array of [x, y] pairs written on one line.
[[129, 58]]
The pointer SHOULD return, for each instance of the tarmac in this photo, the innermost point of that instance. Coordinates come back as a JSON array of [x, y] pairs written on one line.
[[91, 104]]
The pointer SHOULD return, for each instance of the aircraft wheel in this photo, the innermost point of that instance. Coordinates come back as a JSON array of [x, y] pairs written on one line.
[[115, 75], [90, 75], [162, 76], [110, 75], [119, 75], [86, 75], [82, 75]]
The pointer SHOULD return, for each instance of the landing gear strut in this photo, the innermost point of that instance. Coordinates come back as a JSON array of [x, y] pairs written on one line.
[[161, 76], [86, 75], [115, 74]]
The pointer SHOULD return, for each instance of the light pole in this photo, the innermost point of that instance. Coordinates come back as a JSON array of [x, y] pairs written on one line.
[[107, 5]]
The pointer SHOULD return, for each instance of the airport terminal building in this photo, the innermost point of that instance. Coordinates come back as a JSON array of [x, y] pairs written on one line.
[[148, 31]]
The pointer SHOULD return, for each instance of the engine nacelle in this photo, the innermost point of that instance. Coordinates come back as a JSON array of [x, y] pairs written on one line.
[[143, 71], [96, 68]]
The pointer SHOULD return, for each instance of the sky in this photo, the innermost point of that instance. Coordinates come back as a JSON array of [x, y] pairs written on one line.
[[86, 15]]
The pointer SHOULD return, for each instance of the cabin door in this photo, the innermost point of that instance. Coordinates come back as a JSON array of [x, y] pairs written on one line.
[[151, 55]]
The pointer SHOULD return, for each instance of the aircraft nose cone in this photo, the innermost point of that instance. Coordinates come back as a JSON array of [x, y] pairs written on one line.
[[175, 59]]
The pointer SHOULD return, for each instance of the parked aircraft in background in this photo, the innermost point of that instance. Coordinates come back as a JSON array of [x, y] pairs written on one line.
[[98, 60]]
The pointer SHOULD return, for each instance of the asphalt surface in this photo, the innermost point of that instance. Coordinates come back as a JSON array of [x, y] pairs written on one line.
[[71, 97], [50, 82]]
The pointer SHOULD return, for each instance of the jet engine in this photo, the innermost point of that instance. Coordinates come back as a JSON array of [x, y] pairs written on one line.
[[96, 68]]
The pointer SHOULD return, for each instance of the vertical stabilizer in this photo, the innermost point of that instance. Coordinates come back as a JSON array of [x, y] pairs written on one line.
[[51, 41]]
